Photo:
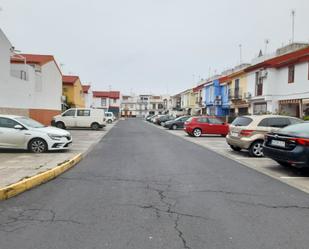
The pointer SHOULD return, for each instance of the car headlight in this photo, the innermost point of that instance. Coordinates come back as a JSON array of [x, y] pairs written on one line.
[[54, 136]]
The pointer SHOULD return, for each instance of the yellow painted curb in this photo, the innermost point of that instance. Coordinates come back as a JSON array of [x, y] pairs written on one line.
[[33, 181]]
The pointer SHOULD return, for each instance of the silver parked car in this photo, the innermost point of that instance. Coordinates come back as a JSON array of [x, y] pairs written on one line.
[[17, 132]]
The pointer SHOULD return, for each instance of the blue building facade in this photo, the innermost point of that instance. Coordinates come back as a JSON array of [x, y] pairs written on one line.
[[217, 98]]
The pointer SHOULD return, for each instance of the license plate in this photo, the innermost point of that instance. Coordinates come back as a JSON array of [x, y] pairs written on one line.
[[278, 143], [234, 134]]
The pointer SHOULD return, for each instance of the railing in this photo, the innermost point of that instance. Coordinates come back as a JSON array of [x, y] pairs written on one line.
[[235, 94]]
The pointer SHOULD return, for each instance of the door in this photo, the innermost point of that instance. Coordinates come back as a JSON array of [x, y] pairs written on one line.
[[69, 118], [203, 124], [236, 90], [9, 136], [83, 118], [216, 126]]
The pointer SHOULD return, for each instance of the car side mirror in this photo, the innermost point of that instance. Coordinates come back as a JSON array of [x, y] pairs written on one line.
[[18, 127]]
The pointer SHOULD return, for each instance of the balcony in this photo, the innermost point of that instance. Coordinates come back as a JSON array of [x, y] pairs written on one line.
[[235, 94]]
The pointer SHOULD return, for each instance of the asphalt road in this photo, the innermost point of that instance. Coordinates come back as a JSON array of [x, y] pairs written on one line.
[[143, 188]]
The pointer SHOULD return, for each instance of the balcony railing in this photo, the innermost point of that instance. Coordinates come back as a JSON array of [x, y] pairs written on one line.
[[236, 94]]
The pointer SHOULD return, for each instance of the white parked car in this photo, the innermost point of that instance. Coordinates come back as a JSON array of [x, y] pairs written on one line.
[[110, 117], [80, 118], [17, 132]]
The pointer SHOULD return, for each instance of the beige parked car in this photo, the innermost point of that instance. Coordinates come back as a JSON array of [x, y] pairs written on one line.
[[247, 132]]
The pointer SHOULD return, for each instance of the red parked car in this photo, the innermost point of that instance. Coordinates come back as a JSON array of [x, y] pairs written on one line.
[[196, 126]]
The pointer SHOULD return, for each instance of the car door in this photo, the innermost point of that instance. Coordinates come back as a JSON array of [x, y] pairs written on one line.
[[69, 118], [216, 126], [203, 124], [83, 118], [180, 122], [9, 136]]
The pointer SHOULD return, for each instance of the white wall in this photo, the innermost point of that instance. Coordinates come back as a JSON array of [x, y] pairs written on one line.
[[14, 92], [48, 88]]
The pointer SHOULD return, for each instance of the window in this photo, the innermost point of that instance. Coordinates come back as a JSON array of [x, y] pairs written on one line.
[[83, 113], [291, 73], [153, 106], [214, 121], [242, 121], [259, 108], [23, 75], [202, 120], [258, 84], [7, 123], [275, 122], [103, 101], [114, 101], [69, 113]]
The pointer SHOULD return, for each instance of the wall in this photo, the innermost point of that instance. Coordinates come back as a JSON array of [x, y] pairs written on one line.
[[48, 96], [43, 116]]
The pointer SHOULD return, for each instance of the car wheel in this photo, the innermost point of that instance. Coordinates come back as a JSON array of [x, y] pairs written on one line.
[[37, 145], [235, 148], [174, 127], [109, 121], [256, 149], [95, 126], [60, 125], [197, 132]]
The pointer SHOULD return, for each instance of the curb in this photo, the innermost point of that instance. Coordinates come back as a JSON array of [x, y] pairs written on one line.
[[34, 181]]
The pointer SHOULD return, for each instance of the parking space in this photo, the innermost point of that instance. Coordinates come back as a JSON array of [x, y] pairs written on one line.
[[17, 165], [291, 176]]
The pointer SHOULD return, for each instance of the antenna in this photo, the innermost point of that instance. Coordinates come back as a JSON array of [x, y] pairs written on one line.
[[293, 13], [266, 45], [240, 53]]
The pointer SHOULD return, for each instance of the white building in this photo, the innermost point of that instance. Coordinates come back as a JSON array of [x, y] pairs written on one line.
[[280, 84], [107, 100], [30, 85], [88, 96], [143, 105]]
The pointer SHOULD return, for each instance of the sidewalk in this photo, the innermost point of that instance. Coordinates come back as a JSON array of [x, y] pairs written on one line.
[[18, 165]]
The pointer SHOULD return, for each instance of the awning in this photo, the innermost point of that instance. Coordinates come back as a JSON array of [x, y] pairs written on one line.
[[289, 101]]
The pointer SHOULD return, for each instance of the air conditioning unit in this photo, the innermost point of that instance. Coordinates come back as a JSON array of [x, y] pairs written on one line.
[[248, 95], [217, 102]]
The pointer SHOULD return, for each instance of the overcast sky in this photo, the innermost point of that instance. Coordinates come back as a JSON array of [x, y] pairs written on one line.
[[150, 46]]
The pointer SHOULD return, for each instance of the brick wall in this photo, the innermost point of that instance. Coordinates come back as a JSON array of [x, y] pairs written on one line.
[[43, 116]]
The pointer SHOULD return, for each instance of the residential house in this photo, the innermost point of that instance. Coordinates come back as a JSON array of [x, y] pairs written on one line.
[[216, 95], [16, 88], [199, 95], [129, 106], [188, 101], [73, 91], [280, 84], [107, 100], [237, 91], [44, 88], [88, 96]]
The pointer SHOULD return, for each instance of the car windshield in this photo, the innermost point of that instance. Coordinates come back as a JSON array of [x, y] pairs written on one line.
[[190, 119], [242, 121], [29, 122], [301, 129]]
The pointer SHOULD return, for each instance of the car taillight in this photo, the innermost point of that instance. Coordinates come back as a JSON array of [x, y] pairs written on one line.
[[300, 141], [246, 133]]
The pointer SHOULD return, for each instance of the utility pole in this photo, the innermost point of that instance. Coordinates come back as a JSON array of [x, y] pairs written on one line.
[[293, 13]]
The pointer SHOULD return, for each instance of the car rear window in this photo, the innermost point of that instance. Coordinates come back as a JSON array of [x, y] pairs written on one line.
[[301, 129], [275, 122], [242, 121]]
